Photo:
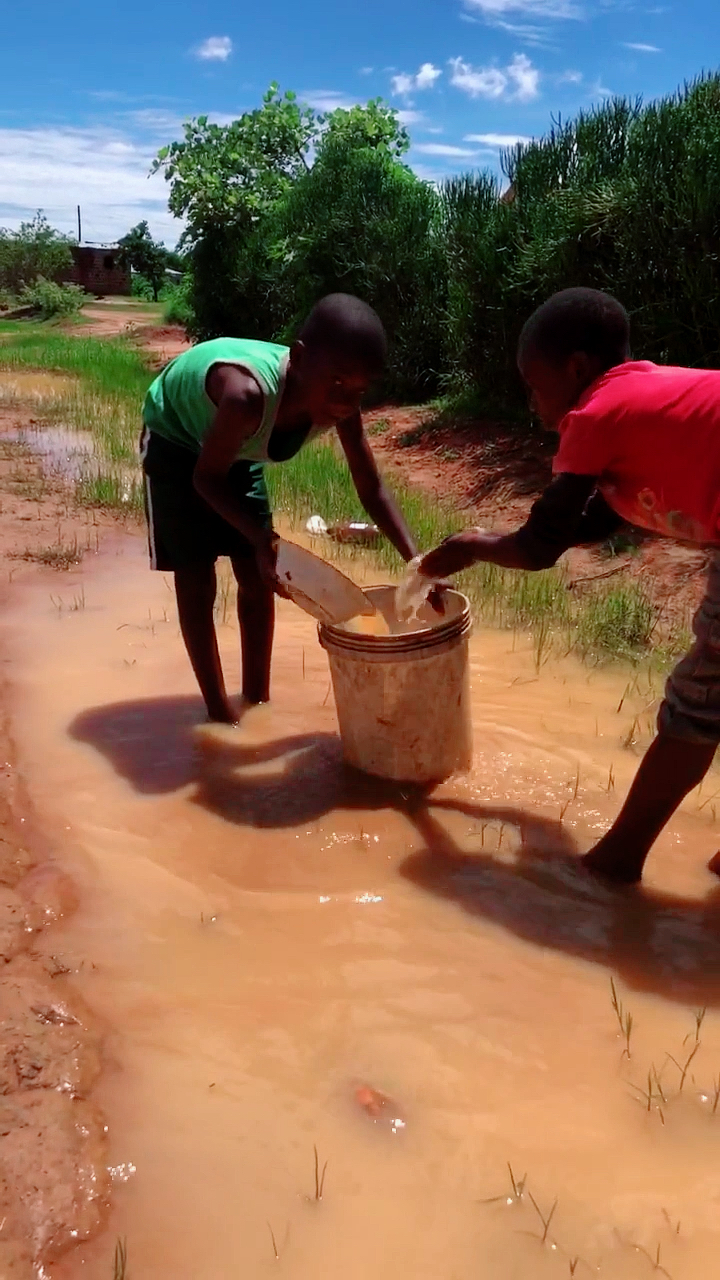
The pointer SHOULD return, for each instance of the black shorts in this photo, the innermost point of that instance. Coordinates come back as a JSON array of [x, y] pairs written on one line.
[[182, 527]]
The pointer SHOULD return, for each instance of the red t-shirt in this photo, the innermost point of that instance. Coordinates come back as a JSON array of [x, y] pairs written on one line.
[[651, 434]]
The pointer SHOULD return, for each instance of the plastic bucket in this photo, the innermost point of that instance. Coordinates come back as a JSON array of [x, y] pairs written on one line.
[[403, 700]]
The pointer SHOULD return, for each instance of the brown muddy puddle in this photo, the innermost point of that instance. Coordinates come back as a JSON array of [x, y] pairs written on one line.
[[270, 940]]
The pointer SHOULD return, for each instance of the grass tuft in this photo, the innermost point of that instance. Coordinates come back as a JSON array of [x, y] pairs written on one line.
[[625, 1018], [319, 1177], [120, 1268]]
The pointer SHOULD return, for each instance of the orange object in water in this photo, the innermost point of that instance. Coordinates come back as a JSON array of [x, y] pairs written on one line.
[[379, 1107]]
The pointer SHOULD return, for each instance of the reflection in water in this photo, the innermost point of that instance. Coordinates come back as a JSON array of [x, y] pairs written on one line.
[[281, 946]]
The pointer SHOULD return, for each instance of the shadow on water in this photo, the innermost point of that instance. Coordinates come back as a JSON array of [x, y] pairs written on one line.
[[656, 942]]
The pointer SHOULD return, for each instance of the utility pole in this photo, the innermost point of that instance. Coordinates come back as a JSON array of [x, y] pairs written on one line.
[[79, 226]]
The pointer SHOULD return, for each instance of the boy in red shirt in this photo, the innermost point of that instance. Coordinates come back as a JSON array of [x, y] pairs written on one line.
[[638, 442]]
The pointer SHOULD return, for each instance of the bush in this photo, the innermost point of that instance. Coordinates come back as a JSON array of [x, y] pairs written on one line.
[[51, 300], [358, 222], [140, 287], [624, 198], [361, 222], [177, 308], [35, 250]]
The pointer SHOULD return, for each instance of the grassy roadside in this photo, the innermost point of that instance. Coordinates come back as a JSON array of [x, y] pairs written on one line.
[[109, 381]]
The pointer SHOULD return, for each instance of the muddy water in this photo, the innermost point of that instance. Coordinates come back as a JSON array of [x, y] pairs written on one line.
[[270, 940]]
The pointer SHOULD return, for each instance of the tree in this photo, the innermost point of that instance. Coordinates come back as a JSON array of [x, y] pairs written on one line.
[[376, 127], [227, 176], [37, 249], [148, 257], [232, 184]]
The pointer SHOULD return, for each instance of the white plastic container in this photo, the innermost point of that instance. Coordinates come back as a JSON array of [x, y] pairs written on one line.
[[403, 699]]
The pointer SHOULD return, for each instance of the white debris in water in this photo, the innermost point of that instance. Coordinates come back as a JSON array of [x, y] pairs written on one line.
[[122, 1172], [368, 897], [316, 527]]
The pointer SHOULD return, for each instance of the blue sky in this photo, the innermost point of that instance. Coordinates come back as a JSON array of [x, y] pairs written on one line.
[[89, 92]]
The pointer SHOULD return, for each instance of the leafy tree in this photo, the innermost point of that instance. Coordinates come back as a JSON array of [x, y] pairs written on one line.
[[37, 249], [148, 257], [230, 182], [375, 126], [360, 222], [227, 175]]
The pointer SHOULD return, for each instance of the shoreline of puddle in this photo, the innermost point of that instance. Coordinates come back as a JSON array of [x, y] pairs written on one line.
[[263, 937]]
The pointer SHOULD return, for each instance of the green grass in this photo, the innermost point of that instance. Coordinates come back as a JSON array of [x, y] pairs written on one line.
[[605, 620], [111, 382]]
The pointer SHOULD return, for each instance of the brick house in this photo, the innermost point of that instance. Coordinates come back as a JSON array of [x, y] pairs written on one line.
[[97, 268]]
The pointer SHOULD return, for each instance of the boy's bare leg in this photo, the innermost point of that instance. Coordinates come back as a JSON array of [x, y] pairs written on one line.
[[256, 616], [671, 769], [195, 587]]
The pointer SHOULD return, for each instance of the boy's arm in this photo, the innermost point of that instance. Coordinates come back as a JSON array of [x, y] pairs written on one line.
[[371, 490], [569, 513], [240, 402]]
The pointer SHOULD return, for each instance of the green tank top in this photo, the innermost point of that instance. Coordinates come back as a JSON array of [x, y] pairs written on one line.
[[178, 407]]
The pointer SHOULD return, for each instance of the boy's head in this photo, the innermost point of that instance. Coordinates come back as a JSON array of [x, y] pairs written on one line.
[[340, 350], [570, 340]]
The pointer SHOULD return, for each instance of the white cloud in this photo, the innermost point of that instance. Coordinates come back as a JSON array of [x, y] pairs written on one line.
[[366, 71], [497, 139], [570, 77], [403, 84], [442, 149], [103, 170], [519, 81], [327, 99], [214, 49], [428, 174], [642, 48], [525, 32], [155, 121], [525, 77], [493, 10], [410, 117], [427, 75]]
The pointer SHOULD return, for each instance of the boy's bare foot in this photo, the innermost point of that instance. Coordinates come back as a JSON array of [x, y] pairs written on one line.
[[613, 865], [223, 713]]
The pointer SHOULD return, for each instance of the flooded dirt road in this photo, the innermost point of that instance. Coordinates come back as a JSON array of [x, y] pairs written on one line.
[[290, 960]]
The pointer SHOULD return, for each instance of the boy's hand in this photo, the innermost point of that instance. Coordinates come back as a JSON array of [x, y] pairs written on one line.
[[436, 597], [266, 559], [454, 554]]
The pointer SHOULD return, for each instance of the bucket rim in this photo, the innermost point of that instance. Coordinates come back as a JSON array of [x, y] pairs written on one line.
[[334, 636]]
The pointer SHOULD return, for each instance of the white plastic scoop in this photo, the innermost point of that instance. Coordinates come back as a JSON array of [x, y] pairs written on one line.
[[318, 587]]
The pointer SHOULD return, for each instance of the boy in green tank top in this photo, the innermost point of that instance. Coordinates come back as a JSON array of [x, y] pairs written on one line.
[[213, 419]]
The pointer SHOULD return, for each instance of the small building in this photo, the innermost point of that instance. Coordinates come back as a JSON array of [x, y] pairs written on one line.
[[98, 270]]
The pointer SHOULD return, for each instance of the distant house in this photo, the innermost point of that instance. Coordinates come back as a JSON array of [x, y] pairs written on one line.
[[97, 268]]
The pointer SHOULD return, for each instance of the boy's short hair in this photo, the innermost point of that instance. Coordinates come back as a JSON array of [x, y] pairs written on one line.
[[578, 320], [342, 325]]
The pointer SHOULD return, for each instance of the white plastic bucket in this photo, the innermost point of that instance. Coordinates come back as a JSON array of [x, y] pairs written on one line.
[[403, 700]]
